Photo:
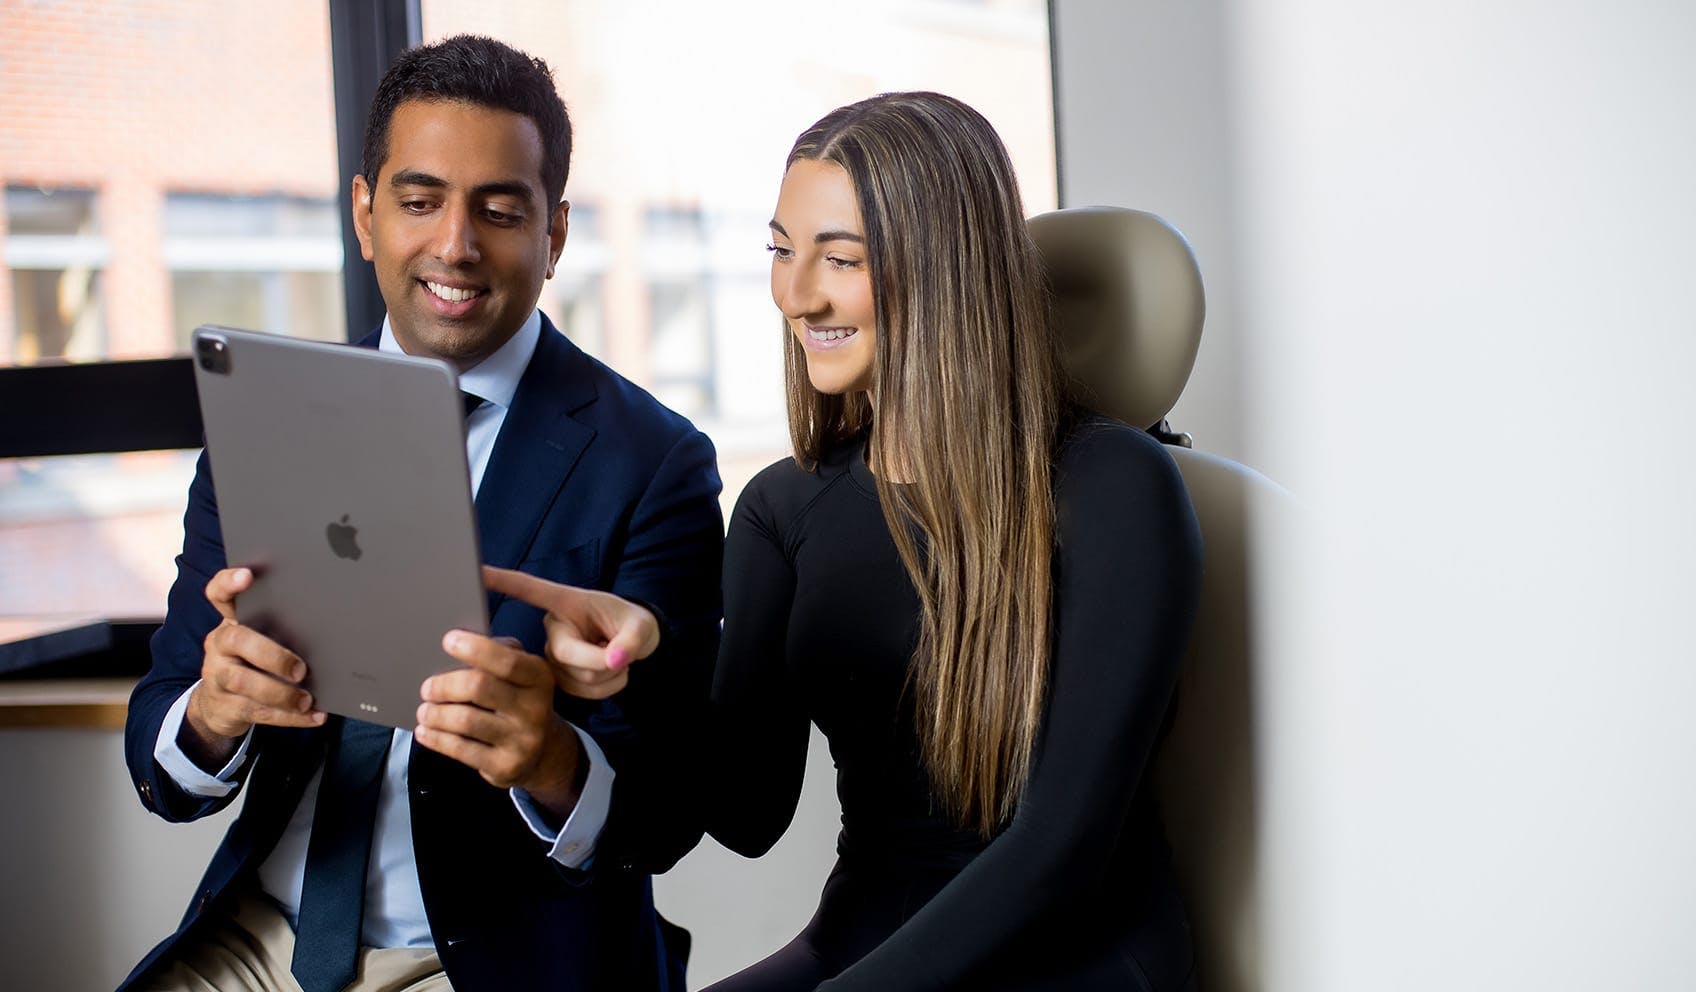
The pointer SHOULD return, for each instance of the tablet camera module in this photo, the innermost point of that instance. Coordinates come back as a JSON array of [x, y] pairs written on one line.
[[212, 353]]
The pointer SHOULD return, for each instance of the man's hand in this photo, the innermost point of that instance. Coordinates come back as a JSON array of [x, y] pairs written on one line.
[[245, 679], [497, 716], [593, 636]]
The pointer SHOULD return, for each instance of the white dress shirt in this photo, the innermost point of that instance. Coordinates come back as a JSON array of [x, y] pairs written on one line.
[[394, 905]]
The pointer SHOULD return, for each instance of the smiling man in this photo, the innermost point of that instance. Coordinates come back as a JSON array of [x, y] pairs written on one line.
[[461, 224], [506, 842]]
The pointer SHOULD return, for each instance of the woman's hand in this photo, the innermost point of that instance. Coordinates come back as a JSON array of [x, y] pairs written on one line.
[[593, 636]]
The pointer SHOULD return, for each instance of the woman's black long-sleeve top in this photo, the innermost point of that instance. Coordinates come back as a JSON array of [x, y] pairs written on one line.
[[820, 624]]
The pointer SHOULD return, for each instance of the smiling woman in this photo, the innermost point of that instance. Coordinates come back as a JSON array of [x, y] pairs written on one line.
[[926, 580], [979, 594], [819, 278]]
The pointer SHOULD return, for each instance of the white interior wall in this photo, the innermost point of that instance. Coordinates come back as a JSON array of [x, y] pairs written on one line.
[[1143, 120], [1461, 246], [90, 880]]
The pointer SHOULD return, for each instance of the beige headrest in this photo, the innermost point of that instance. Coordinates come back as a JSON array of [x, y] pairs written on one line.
[[1129, 299]]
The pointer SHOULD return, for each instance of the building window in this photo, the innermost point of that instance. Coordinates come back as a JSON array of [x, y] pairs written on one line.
[[572, 298], [268, 263], [681, 352], [55, 252], [675, 267]]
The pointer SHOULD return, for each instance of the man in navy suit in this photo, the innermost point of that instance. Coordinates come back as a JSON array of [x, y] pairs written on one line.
[[513, 832]]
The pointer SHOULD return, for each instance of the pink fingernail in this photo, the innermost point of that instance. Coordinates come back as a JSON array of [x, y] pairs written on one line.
[[617, 658]]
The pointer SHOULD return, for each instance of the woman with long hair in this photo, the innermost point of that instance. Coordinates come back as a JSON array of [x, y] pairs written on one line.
[[980, 594]]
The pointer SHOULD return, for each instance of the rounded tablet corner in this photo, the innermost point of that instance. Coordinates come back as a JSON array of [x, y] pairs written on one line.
[[448, 372]]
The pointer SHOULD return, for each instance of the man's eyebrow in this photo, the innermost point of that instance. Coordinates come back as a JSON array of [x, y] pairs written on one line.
[[505, 187], [412, 177], [822, 236]]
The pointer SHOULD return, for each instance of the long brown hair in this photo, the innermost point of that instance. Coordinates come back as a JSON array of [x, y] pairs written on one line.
[[964, 409]]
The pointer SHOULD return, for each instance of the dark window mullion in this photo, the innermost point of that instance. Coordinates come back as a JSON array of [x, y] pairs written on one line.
[[365, 36]]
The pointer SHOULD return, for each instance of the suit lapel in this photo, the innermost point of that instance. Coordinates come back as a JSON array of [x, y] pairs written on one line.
[[538, 446]]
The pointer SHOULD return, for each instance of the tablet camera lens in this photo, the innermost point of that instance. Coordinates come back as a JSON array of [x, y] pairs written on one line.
[[214, 355]]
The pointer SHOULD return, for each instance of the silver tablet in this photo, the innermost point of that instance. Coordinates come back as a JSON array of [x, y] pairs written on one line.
[[341, 481]]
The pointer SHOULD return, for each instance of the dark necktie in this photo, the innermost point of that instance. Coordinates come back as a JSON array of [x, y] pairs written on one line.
[[332, 895], [471, 403]]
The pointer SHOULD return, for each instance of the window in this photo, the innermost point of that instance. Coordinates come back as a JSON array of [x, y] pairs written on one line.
[[55, 253], [572, 298], [676, 266], [160, 171], [268, 263]]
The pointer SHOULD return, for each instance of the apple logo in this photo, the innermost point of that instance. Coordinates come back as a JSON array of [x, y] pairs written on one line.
[[342, 540]]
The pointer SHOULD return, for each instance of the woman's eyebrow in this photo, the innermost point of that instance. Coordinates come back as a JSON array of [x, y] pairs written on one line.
[[822, 236]]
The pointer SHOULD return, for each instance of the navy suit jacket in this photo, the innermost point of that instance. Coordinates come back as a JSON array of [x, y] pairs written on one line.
[[593, 483]]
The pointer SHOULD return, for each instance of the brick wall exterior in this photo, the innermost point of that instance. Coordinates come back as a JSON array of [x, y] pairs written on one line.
[[136, 99]]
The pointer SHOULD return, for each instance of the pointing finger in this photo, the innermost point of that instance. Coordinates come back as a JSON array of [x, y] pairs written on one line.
[[540, 593]]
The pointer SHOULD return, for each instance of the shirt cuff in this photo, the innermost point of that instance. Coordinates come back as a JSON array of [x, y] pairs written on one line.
[[190, 777], [574, 845]]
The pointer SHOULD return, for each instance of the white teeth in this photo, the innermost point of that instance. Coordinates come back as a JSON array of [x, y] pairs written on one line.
[[829, 335], [450, 294]]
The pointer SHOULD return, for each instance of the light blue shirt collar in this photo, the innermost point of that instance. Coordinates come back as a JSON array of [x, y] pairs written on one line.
[[494, 378]]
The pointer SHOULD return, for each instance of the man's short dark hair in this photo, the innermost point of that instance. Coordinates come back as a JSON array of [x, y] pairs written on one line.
[[481, 71]]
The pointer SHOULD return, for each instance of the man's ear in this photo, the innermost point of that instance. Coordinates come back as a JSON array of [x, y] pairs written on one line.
[[362, 216], [558, 225]]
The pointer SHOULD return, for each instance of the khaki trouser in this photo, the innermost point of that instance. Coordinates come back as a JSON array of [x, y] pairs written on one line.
[[250, 950]]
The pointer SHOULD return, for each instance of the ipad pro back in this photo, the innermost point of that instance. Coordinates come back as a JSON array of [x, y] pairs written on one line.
[[341, 481]]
